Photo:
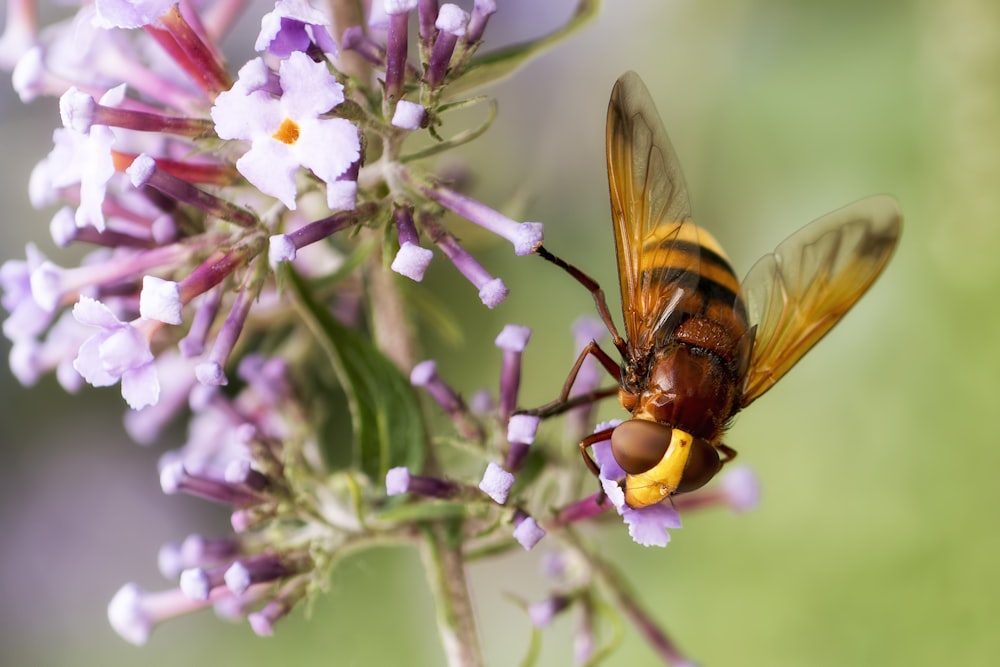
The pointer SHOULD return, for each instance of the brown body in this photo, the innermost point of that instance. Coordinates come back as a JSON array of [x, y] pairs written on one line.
[[700, 345], [691, 374]]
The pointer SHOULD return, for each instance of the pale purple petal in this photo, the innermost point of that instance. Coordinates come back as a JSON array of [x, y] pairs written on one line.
[[528, 533], [408, 115], [342, 195], [605, 458], [308, 87], [97, 169], [648, 526], [412, 261], [397, 481], [238, 578], [741, 488], [513, 338], [141, 386], [88, 364], [46, 283], [281, 248], [542, 613], [211, 374], [290, 25], [452, 19], [195, 583], [240, 114], [496, 483], [93, 313], [614, 493], [160, 300], [127, 617], [522, 428], [328, 146], [130, 13], [271, 167], [493, 293], [124, 348], [76, 110]]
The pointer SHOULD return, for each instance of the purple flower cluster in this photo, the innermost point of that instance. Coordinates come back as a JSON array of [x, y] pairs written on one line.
[[217, 208], [245, 452], [193, 186]]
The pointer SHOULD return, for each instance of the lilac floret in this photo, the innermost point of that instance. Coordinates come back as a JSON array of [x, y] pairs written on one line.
[[238, 578], [160, 300], [76, 109], [412, 261], [648, 525], [281, 248], [522, 428], [493, 293], [741, 488], [211, 374], [513, 338], [452, 19], [292, 26], [528, 533], [408, 115], [196, 583], [496, 483], [397, 481]]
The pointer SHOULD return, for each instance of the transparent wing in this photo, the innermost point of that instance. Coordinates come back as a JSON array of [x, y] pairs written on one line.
[[798, 292], [651, 213]]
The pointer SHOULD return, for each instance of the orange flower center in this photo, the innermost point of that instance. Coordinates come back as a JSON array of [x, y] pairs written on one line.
[[288, 133]]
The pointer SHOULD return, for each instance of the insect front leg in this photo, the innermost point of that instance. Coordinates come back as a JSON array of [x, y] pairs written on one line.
[[595, 290], [588, 442], [564, 402]]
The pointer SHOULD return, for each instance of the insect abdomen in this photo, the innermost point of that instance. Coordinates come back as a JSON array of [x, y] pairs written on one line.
[[710, 312]]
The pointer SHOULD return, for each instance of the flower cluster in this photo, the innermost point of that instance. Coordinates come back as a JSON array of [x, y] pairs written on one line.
[[238, 226], [194, 185]]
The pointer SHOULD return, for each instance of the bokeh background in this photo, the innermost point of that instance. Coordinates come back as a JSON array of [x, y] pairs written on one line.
[[876, 542]]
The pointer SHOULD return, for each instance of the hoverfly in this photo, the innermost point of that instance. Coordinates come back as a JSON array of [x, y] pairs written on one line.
[[700, 346]]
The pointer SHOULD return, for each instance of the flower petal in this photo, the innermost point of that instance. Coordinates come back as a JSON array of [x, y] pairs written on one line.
[[141, 386], [271, 167], [308, 87], [93, 313]]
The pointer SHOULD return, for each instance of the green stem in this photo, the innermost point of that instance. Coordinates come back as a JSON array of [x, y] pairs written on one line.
[[442, 556], [456, 622]]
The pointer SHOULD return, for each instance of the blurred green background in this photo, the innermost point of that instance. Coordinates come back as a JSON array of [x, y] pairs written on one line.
[[876, 542]]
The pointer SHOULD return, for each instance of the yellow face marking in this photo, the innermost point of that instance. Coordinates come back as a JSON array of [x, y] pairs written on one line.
[[661, 480]]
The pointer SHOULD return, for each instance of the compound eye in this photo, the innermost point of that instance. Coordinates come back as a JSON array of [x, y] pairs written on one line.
[[702, 464], [639, 444]]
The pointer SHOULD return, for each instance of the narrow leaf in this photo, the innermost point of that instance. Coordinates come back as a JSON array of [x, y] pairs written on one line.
[[386, 419], [496, 65]]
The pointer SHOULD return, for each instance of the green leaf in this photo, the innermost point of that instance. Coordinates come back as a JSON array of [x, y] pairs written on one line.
[[496, 65], [386, 419]]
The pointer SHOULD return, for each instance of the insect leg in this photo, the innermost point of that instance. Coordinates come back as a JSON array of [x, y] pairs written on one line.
[[564, 402], [728, 453], [586, 444], [595, 290]]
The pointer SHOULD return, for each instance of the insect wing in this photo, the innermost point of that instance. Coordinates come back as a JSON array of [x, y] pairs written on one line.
[[651, 213], [798, 292]]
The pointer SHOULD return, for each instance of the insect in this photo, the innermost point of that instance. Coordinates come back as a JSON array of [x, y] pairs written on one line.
[[700, 346]]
